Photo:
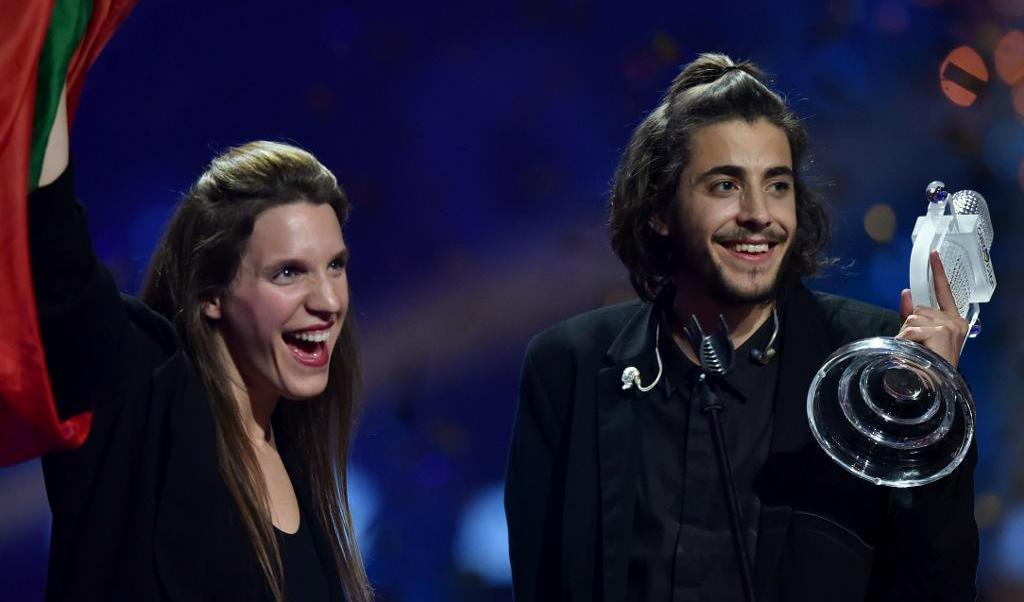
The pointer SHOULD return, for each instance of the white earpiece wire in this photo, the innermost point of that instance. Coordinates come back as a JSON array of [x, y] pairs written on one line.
[[631, 375]]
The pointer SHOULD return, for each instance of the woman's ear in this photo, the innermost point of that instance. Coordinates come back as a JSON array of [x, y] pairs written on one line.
[[211, 308]]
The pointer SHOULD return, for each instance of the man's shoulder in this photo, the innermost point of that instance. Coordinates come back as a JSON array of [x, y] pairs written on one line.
[[593, 330], [851, 319]]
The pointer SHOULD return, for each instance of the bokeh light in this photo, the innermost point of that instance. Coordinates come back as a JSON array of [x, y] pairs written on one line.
[[1009, 57], [880, 223], [963, 76], [481, 541], [892, 17], [988, 509], [1009, 8]]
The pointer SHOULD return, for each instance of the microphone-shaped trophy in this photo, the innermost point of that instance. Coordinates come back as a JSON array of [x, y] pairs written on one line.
[[889, 410]]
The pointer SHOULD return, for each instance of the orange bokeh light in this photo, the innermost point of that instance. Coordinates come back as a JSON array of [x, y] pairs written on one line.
[[1010, 57], [963, 75]]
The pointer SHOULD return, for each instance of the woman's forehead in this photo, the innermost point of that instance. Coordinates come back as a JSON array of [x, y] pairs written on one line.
[[295, 229]]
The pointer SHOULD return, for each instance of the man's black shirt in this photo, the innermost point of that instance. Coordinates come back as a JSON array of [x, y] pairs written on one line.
[[681, 547]]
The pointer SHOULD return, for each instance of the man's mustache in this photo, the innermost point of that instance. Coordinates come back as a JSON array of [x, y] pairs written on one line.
[[770, 236]]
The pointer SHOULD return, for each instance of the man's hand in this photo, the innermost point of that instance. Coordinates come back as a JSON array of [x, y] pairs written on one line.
[[941, 330]]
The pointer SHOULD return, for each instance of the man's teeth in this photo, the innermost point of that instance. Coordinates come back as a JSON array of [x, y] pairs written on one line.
[[751, 248], [312, 337]]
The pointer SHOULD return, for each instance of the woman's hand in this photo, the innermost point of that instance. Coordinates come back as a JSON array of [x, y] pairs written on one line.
[[942, 330], [55, 159]]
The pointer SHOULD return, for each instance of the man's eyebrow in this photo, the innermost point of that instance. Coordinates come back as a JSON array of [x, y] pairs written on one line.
[[733, 171], [780, 170]]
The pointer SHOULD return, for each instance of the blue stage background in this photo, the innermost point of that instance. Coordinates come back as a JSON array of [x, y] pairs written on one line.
[[477, 142]]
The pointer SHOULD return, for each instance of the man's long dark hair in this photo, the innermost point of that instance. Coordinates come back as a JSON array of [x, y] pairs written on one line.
[[710, 90]]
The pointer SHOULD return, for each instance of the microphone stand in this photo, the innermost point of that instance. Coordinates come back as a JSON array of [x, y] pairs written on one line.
[[715, 353]]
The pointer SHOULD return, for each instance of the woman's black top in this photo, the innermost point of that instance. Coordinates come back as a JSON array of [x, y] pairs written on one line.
[[140, 511], [304, 578]]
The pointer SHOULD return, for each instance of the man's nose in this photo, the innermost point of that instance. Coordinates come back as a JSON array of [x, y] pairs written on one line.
[[753, 211]]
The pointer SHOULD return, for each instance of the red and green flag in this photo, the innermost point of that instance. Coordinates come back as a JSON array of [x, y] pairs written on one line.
[[45, 45]]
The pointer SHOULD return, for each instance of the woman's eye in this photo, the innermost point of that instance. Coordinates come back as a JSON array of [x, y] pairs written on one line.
[[286, 273], [337, 265]]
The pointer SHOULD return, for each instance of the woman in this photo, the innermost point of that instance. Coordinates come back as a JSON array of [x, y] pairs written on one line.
[[223, 402]]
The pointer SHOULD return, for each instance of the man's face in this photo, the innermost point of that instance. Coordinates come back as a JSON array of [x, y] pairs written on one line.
[[736, 211]]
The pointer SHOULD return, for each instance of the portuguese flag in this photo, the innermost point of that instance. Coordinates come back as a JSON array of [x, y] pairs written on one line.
[[44, 45]]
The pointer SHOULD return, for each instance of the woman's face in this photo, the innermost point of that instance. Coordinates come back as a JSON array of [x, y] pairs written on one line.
[[281, 316]]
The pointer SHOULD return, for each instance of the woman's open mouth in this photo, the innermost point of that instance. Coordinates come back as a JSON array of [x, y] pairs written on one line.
[[309, 348]]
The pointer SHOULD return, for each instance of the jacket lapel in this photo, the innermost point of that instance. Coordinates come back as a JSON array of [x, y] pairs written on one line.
[[634, 346]]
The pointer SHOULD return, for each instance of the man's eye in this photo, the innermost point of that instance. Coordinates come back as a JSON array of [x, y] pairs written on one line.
[[724, 186], [337, 265]]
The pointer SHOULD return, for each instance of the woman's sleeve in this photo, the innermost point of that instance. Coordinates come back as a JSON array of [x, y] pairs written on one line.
[[82, 321]]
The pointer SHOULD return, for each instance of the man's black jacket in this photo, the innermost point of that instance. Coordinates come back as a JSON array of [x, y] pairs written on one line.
[[823, 533]]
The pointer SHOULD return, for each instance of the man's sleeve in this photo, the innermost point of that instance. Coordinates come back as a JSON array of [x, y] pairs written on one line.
[[533, 489], [929, 543]]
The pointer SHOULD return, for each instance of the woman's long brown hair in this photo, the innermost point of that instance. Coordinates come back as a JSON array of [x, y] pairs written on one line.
[[196, 261]]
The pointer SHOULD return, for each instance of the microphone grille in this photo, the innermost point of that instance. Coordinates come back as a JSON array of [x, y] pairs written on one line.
[[960, 274], [969, 202]]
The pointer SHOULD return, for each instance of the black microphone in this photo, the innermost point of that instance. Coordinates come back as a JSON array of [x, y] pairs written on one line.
[[763, 357], [766, 355]]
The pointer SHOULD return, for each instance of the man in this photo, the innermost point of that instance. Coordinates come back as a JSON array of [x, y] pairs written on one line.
[[613, 491]]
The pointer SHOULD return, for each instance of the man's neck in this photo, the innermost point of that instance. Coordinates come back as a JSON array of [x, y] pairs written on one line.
[[743, 320]]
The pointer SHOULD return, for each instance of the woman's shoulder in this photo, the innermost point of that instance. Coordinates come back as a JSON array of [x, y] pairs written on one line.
[[152, 324]]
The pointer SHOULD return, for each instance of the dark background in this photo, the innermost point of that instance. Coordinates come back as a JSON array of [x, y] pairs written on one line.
[[477, 142]]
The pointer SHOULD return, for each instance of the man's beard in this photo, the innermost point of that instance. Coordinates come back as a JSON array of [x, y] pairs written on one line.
[[695, 259]]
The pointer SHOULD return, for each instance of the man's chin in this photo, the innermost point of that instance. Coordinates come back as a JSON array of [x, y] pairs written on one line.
[[729, 293]]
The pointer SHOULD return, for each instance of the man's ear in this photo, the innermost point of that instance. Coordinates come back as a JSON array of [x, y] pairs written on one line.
[[658, 224], [212, 308]]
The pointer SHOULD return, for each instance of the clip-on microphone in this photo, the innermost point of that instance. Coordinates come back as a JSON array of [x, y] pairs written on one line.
[[766, 355]]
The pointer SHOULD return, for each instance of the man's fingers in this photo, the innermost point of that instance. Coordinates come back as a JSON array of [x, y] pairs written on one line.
[[942, 293], [906, 304]]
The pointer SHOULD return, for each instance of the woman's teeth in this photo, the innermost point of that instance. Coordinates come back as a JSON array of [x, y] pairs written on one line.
[[312, 337]]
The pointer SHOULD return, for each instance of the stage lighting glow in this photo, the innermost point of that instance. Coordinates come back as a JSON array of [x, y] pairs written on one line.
[[1003, 148], [892, 17], [1009, 8], [666, 48], [988, 509], [1009, 549], [880, 222], [481, 538], [963, 76], [364, 504], [1018, 99], [1010, 57]]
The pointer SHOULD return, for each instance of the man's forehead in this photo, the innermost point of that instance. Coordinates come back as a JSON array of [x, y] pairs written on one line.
[[756, 146]]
